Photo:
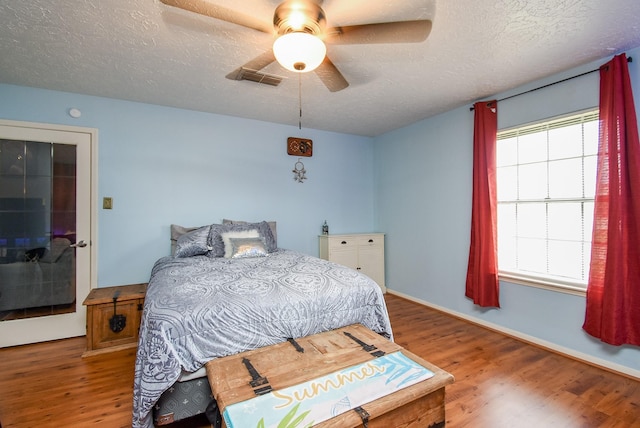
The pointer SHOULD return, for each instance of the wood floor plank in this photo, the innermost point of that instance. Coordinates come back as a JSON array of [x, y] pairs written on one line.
[[500, 381]]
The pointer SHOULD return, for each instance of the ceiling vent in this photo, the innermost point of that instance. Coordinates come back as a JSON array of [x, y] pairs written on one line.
[[255, 76]]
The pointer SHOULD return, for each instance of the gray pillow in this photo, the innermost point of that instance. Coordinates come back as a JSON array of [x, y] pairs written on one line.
[[193, 243], [216, 231], [58, 247], [272, 226], [176, 232]]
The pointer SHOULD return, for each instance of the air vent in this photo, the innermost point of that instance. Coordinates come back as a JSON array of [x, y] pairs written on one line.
[[256, 76]]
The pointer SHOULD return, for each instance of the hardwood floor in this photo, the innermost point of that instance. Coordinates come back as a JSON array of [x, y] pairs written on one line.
[[500, 381]]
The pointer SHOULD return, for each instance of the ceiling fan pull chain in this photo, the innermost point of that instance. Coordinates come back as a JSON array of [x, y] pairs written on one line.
[[300, 99]]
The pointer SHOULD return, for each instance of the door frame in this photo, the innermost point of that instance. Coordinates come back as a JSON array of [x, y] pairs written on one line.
[[70, 322]]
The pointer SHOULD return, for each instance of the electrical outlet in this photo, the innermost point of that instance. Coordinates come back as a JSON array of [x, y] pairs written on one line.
[[107, 203]]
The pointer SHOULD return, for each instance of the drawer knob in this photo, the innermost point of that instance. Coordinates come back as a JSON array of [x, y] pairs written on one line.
[[343, 242], [370, 241]]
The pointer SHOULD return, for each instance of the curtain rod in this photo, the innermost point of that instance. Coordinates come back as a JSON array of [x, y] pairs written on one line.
[[629, 59]]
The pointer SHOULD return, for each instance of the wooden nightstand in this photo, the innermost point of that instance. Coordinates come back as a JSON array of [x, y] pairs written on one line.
[[100, 337]]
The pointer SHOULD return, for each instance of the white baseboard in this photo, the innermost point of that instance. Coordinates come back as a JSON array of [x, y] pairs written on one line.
[[571, 353]]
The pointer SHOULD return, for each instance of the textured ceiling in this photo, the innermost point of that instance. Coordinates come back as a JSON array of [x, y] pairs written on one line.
[[143, 50]]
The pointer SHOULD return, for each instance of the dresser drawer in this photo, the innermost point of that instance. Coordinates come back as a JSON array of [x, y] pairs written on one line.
[[370, 241], [343, 243]]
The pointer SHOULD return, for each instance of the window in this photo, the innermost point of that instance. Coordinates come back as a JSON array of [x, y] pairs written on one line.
[[546, 175]]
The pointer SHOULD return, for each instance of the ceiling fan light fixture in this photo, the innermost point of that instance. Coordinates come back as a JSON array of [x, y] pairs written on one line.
[[299, 52]]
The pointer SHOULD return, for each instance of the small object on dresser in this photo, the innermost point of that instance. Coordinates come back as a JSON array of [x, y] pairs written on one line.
[[325, 228]]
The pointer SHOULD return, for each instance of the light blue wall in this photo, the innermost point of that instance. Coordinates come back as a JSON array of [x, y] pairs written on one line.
[[423, 178], [163, 165]]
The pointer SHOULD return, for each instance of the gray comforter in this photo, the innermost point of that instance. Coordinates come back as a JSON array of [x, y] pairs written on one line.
[[199, 308]]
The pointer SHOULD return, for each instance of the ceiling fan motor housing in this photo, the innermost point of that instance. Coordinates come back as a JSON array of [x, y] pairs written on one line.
[[299, 16]]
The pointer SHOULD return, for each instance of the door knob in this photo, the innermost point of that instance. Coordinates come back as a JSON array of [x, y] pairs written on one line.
[[80, 244]]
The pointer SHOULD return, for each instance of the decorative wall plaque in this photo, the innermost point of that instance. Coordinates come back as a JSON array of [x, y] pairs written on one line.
[[299, 147]]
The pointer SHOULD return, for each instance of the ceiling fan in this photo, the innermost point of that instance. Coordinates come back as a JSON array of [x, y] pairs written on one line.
[[299, 29]]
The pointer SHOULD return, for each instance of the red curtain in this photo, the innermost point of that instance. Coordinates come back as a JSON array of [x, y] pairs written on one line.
[[613, 292], [482, 271]]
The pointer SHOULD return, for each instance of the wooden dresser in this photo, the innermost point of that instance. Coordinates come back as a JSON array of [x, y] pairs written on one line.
[[363, 252], [100, 310]]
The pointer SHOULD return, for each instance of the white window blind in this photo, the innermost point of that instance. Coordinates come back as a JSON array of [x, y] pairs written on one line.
[[546, 174]]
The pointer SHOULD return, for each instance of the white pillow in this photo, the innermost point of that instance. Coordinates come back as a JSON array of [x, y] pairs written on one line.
[[226, 236]]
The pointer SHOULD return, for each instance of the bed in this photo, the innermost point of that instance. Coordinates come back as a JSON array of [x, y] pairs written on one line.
[[227, 289]]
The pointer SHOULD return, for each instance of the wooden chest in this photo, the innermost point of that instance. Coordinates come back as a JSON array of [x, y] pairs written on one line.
[[419, 405], [100, 309]]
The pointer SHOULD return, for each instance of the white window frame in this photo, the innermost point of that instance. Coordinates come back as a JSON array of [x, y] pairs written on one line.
[[547, 281]]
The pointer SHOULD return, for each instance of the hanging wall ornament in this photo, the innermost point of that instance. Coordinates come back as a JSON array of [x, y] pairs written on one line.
[[299, 147], [299, 172]]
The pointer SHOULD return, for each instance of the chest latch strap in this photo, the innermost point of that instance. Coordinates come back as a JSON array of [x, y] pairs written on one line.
[[365, 346], [256, 379], [364, 415]]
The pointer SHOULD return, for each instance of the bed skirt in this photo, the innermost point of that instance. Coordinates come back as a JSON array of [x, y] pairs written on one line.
[[184, 400]]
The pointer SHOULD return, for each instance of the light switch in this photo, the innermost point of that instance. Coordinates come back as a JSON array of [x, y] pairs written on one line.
[[107, 203]]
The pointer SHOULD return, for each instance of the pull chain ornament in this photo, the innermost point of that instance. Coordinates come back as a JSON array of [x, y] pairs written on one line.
[[299, 172]]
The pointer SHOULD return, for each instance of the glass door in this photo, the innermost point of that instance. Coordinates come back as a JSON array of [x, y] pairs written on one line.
[[45, 232]]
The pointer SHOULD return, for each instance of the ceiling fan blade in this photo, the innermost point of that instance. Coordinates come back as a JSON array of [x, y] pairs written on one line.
[[256, 64], [205, 8], [331, 76], [386, 32]]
